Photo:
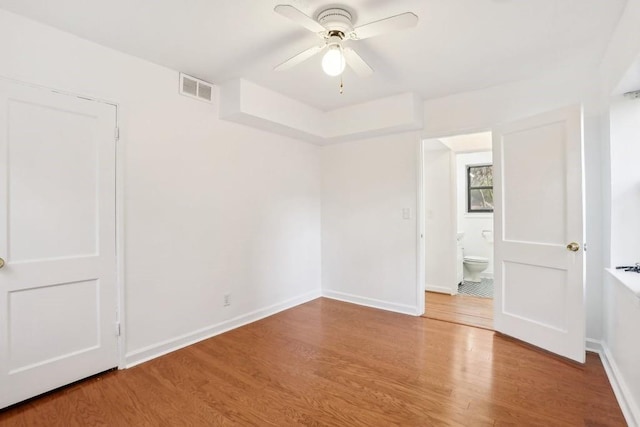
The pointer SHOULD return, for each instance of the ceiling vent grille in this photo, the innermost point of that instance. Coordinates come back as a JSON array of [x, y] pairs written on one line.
[[196, 88], [633, 95]]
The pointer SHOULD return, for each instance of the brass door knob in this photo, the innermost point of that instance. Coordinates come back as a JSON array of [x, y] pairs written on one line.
[[573, 247], [1, 263]]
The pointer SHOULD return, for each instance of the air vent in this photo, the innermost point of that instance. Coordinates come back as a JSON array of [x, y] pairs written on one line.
[[633, 95], [196, 88]]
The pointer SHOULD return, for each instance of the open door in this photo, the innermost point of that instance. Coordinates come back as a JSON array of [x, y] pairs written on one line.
[[539, 274]]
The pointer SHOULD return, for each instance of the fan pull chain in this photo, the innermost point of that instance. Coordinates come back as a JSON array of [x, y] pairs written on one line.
[[341, 85]]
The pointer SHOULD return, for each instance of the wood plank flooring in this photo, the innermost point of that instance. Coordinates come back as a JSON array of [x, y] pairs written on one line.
[[333, 363], [462, 309]]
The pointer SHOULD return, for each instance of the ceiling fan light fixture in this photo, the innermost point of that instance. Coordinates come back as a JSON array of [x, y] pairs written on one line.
[[335, 26], [333, 62]]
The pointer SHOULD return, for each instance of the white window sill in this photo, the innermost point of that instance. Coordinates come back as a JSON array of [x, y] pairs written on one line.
[[628, 278]]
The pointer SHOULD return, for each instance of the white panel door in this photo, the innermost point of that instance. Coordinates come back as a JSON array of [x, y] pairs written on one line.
[[539, 280], [57, 239]]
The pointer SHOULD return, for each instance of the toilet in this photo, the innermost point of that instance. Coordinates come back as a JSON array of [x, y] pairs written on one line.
[[474, 265]]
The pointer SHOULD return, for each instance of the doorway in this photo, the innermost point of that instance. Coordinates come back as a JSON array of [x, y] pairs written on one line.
[[539, 207], [458, 225]]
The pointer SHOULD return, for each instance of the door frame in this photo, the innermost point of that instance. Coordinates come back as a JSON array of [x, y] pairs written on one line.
[[421, 212], [421, 232], [120, 211]]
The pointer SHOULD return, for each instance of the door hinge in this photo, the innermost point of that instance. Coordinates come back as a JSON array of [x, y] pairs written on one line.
[[584, 246], [116, 134], [118, 329]]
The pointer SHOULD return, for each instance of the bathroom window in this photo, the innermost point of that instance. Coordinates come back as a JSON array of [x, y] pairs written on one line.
[[480, 188]]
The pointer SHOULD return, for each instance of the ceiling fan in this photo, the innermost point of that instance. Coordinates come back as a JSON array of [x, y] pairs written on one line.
[[335, 26]]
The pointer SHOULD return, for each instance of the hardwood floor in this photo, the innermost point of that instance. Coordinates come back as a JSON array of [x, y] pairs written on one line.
[[333, 363], [462, 309]]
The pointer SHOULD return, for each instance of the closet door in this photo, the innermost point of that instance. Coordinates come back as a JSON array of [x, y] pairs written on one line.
[[57, 240]]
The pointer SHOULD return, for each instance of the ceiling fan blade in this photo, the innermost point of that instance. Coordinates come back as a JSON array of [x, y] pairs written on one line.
[[299, 58], [387, 25], [356, 63], [298, 17]]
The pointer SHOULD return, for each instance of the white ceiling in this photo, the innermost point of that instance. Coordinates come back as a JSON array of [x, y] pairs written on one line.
[[469, 142], [458, 45]]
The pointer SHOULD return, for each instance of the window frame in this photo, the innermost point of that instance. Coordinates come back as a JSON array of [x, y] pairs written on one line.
[[482, 187]]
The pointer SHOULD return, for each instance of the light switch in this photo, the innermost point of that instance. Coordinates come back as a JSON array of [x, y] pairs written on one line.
[[406, 213]]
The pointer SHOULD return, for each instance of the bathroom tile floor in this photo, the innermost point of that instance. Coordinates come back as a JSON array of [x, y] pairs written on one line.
[[484, 289]]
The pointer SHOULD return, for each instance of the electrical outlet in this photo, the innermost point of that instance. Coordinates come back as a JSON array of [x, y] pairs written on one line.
[[227, 300]]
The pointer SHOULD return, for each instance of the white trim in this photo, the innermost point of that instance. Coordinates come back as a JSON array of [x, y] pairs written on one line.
[[120, 237], [439, 289], [421, 249], [629, 408], [370, 302], [173, 344], [60, 91], [594, 346], [453, 194], [630, 280]]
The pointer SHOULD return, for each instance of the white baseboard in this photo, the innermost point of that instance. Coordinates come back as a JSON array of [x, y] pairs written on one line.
[[173, 344], [370, 302], [623, 395], [440, 289], [594, 346]]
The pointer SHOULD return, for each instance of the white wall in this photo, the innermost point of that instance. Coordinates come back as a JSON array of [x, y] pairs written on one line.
[[210, 207], [368, 250], [619, 72], [621, 305], [388, 115], [625, 181], [247, 103], [623, 49], [473, 224], [622, 347], [439, 218]]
